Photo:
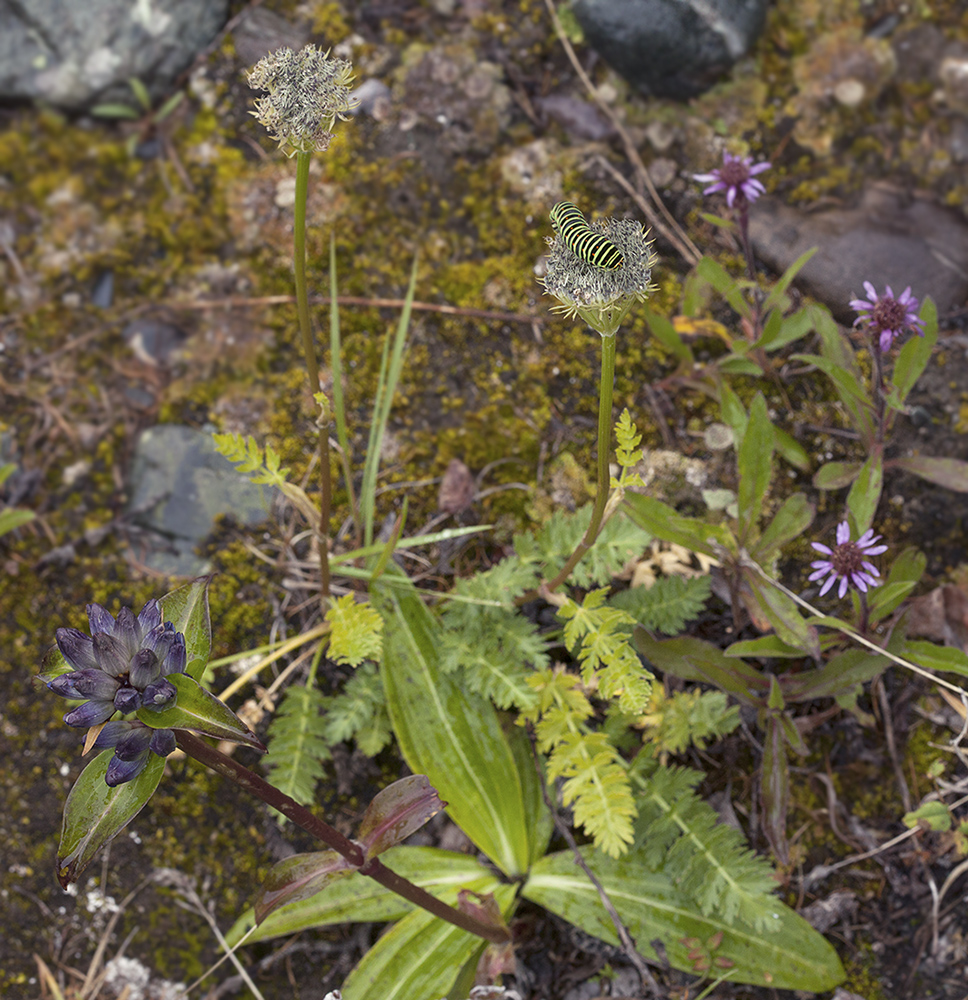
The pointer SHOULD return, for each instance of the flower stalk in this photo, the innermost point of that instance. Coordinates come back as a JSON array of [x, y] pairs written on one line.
[[250, 782]]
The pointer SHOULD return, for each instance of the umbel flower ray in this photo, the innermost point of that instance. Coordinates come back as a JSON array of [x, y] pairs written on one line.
[[307, 92], [122, 666], [601, 297]]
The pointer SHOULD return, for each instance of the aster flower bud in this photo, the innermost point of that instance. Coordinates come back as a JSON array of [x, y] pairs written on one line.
[[306, 93], [601, 297]]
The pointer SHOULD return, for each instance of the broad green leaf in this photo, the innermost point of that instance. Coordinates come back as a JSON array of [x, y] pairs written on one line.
[[95, 813], [775, 786], [452, 736], [915, 354], [754, 461], [539, 818], [766, 647], [794, 956], [951, 473], [734, 364], [836, 475], [780, 611], [931, 656], [115, 111], [187, 609], [201, 712], [793, 328], [699, 660], [865, 494], [795, 515], [396, 812], [733, 411], [10, 519], [935, 814], [847, 384], [841, 673], [419, 958], [362, 899], [662, 521], [882, 600]]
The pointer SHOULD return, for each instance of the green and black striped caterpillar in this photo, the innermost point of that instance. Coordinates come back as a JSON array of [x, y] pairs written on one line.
[[575, 233]]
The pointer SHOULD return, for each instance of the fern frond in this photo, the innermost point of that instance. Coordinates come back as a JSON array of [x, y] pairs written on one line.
[[359, 712], [297, 743], [246, 454], [356, 631], [681, 836], [495, 648], [607, 658], [668, 605], [595, 782], [693, 717], [619, 541]]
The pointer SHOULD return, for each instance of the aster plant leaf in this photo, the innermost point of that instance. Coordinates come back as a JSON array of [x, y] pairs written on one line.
[[795, 515], [754, 460], [906, 570], [792, 328], [663, 330], [775, 298], [94, 812], [187, 609], [836, 475], [865, 494], [951, 473], [914, 355], [716, 275], [664, 522], [931, 656], [200, 712], [769, 602], [297, 878]]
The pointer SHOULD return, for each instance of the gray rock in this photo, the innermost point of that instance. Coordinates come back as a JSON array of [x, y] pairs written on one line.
[[74, 53], [888, 239], [179, 485], [671, 48]]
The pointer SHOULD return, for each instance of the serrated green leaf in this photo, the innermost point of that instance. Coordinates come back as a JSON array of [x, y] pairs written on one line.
[[297, 744], [94, 812], [668, 604]]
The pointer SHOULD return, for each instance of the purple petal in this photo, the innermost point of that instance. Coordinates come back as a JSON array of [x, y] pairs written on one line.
[[842, 589], [828, 584], [76, 647], [175, 660], [100, 618], [159, 696], [149, 617], [871, 291], [163, 742], [134, 742], [820, 547], [127, 631], [64, 686], [145, 668], [121, 771], [111, 654], [871, 571], [857, 579], [94, 683], [91, 713], [128, 699], [112, 732], [843, 533]]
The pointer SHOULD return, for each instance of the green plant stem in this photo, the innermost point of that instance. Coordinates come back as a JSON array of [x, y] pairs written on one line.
[[606, 385], [312, 368], [301, 816]]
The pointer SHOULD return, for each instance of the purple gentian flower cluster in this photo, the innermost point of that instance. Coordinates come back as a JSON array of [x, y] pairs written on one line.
[[847, 561], [887, 315], [123, 665], [737, 177]]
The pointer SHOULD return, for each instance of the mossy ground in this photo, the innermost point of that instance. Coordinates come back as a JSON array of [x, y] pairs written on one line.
[[211, 222]]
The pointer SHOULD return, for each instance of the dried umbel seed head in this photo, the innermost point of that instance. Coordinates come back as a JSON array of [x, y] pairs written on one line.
[[122, 666], [307, 93]]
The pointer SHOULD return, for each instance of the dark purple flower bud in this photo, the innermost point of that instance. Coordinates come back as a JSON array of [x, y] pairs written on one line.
[[112, 732], [159, 696], [94, 684], [100, 618], [119, 771], [127, 631], [91, 713], [111, 653], [163, 742], [64, 686], [134, 742], [77, 648], [175, 660], [128, 699], [145, 668], [149, 617]]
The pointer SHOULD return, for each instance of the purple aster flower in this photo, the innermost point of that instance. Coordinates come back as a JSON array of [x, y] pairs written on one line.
[[120, 667], [887, 315], [847, 561], [736, 177]]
